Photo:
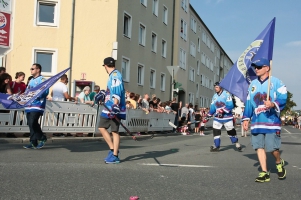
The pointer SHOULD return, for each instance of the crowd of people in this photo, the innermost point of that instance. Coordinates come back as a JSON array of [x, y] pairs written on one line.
[[8, 86]]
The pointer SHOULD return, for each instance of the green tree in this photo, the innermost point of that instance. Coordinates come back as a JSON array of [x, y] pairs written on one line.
[[289, 104]]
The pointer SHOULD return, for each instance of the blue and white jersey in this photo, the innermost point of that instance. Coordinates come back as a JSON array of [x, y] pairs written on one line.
[[264, 120], [221, 102], [115, 89], [38, 105]]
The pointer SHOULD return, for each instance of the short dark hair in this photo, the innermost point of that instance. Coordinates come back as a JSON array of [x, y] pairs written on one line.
[[132, 94], [96, 87], [64, 77], [2, 69], [5, 76], [38, 66]]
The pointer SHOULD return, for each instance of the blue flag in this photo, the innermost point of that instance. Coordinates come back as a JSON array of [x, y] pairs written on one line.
[[17, 101], [241, 73]]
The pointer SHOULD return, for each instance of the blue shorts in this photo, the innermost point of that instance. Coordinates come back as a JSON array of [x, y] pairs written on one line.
[[270, 142]]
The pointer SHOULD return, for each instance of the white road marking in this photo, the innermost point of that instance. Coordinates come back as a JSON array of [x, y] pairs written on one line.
[[287, 131], [175, 165]]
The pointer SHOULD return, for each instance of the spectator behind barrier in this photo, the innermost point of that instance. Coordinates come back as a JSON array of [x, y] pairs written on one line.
[[84, 97], [5, 78], [18, 86], [132, 100]]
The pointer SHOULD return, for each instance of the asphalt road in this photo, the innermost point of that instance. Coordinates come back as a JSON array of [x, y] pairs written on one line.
[[172, 167]]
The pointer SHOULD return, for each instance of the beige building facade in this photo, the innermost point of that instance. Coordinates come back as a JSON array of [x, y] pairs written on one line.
[[144, 36], [201, 59]]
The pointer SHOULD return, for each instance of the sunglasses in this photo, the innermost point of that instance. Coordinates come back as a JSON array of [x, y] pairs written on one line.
[[32, 69], [258, 67]]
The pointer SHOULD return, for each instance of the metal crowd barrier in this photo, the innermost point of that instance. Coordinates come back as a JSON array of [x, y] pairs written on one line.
[[68, 117]]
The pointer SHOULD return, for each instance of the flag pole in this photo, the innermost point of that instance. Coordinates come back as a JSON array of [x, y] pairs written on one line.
[[269, 83]]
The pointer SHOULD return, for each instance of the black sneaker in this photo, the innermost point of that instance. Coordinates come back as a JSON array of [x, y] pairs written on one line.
[[263, 177], [214, 149], [281, 171]]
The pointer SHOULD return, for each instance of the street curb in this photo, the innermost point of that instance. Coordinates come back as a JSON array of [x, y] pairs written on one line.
[[86, 139], [79, 139]]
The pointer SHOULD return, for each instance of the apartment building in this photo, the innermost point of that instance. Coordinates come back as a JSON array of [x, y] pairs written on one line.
[[144, 36], [80, 34], [199, 55]]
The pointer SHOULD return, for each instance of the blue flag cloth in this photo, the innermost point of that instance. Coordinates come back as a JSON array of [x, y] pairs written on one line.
[[17, 101], [241, 73]]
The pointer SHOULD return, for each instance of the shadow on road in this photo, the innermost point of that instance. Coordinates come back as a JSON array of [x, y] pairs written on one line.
[[150, 154], [270, 162]]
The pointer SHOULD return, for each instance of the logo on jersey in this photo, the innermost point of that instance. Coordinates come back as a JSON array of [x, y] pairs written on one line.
[[259, 98], [253, 89], [261, 109], [271, 86]]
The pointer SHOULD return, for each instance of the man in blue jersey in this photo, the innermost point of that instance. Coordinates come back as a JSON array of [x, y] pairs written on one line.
[[265, 117], [221, 109], [114, 99], [35, 110]]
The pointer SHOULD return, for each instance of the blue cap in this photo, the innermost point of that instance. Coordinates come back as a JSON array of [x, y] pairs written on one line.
[[260, 62]]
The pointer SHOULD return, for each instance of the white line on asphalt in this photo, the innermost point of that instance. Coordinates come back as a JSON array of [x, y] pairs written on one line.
[[174, 165], [287, 131]]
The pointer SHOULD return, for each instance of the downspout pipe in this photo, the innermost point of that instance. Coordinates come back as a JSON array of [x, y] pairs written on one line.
[[71, 46], [172, 46]]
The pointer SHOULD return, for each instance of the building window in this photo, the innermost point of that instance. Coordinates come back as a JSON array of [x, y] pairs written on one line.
[[203, 58], [127, 25], [184, 5], [212, 47], [210, 84], [193, 24], [165, 15], [155, 7], [47, 13], [208, 42], [144, 2], [164, 48], [142, 35], [154, 42], [201, 102], [191, 98], [202, 80], [198, 67], [162, 86], [182, 60], [152, 78], [125, 69], [191, 74], [47, 59], [140, 74], [218, 53], [192, 49], [183, 29], [199, 44], [197, 90], [204, 37], [211, 65]]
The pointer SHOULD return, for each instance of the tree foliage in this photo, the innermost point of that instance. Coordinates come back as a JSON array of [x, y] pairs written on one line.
[[289, 103]]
